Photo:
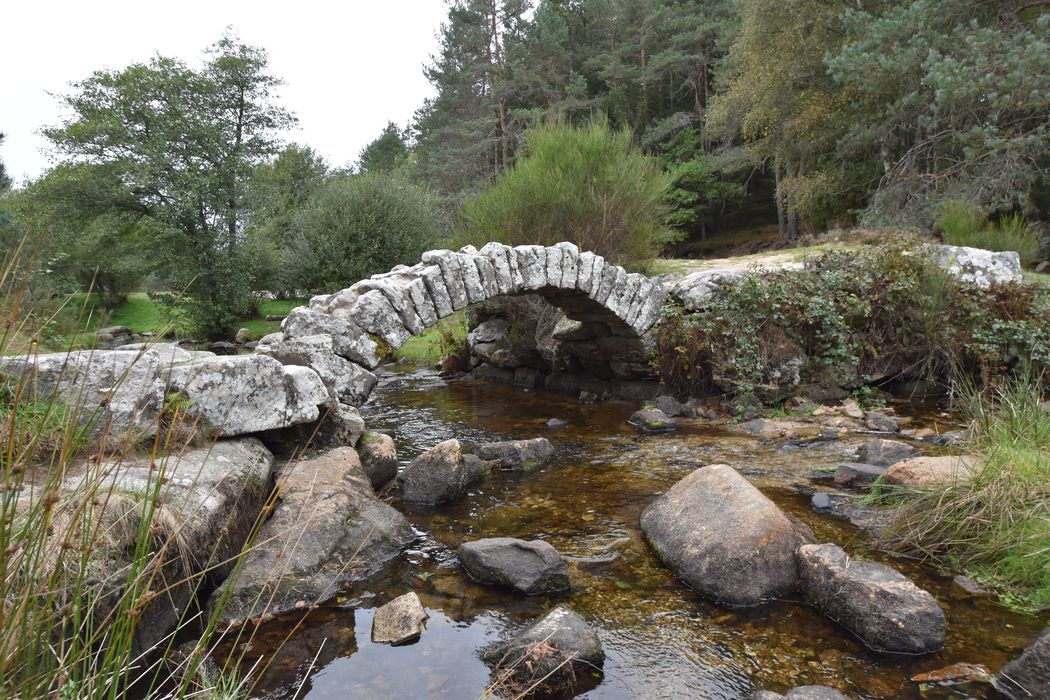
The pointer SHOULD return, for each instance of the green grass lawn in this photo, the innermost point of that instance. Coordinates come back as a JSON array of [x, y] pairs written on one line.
[[81, 316], [431, 345]]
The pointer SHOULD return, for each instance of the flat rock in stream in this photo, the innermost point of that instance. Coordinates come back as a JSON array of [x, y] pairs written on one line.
[[401, 621], [880, 605], [723, 538], [558, 652], [930, 471], [522, 455], [775, 429], [328, 529], [857, 473], [531, 568], [651, 420]]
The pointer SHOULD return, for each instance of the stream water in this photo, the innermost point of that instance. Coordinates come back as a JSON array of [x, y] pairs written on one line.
[[660, 638]]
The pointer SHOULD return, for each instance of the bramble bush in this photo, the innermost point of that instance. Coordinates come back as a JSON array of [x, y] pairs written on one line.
[[854, 317]]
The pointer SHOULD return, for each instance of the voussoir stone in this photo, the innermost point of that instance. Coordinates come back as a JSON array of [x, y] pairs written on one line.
[[347, 382], [327, 529], [723, 538], [551, 655], [531, 568], [242, 394], [348, 339], [517, 454], [401, 621], [880, 605]]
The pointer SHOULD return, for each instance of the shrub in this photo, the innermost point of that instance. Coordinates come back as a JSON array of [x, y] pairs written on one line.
[[964, 224], [587, 185], [355, 226], [854, 317]]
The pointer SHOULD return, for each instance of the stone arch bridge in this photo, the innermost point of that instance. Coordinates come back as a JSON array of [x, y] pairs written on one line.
[[604, 302]]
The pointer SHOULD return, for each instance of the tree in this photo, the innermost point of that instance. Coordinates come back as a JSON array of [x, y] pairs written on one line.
[[464, 134], [388, 151], [5, 179], [587, 185], [183, 144], [778, 97], [949, 100], [354, 226]]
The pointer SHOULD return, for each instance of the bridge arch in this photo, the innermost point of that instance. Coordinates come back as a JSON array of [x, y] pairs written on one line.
[[380, 313]]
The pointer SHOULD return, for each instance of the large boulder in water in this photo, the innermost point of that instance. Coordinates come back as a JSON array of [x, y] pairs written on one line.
[[517, 454], [327, 529], [441, 474], [723, 538], [881, 606], [883, 453], [556, 653], [529, 567], [1028, 676]]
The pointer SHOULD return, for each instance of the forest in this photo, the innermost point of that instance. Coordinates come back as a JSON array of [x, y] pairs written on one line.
[[674, 123]]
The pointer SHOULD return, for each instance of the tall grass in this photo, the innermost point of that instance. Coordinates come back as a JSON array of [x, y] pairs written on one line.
[[997, 524], [962, 223], [83, 561]]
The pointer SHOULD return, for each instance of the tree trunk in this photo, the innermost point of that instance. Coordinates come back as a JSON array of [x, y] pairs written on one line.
[[779, 199]]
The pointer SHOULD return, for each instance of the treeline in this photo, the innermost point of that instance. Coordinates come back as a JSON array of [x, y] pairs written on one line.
[[810, 111], [624, 125]]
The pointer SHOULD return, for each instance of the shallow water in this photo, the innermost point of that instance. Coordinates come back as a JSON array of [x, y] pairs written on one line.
[[660, 638]]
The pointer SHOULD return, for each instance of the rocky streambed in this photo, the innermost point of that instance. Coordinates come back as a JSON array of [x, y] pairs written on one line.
[[659, 638]]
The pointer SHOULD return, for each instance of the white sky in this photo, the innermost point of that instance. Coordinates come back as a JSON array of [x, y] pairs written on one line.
[[349, 66]]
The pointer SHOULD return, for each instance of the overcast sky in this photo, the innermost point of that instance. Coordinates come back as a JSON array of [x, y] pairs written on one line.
[[349, 67]]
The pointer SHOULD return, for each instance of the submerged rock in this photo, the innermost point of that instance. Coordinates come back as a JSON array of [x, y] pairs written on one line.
[[517, 454], [1028, 676], [803, 692], [723, 538], [857, 473], [556, 653], [441, 474], [883, 453], [881, 606], [775, 429], [378, 457], [529, 567], [401, 621], [651, 420], [930, 471], [327, 529]]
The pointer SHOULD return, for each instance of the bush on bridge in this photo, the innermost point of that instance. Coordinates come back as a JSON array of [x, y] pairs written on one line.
[[855, 317]]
